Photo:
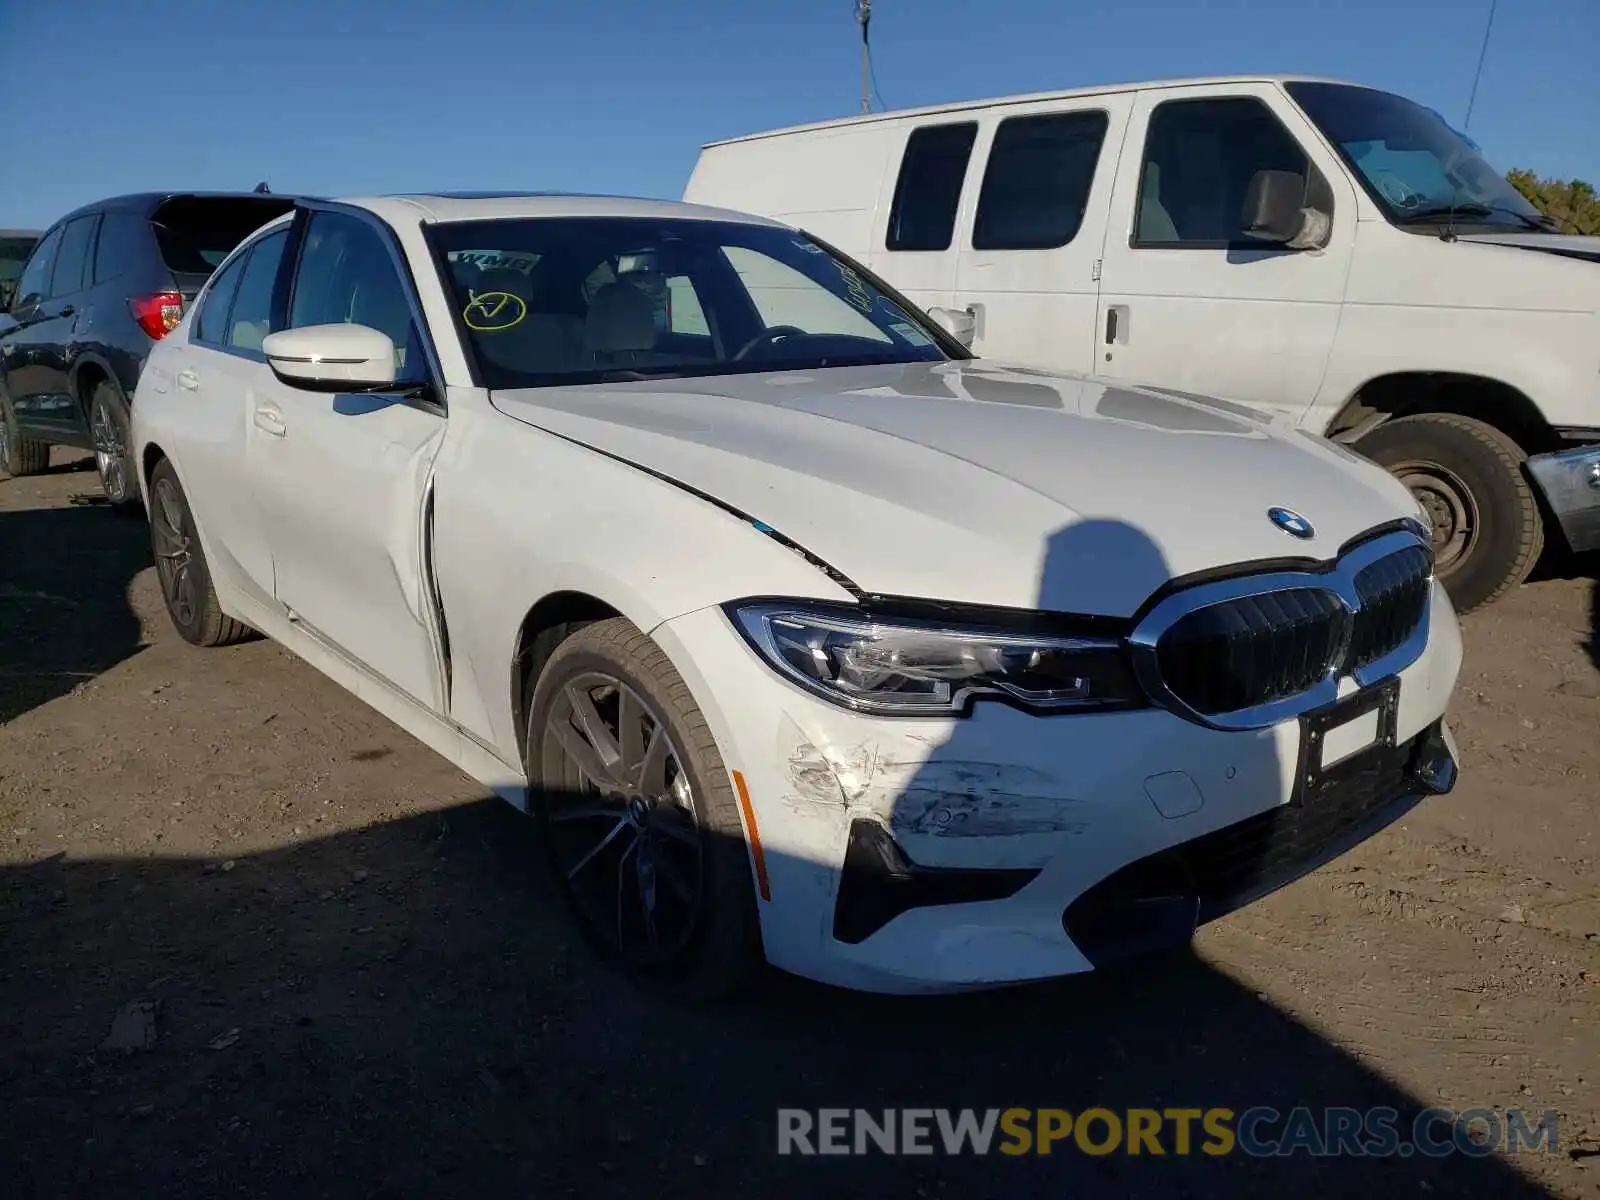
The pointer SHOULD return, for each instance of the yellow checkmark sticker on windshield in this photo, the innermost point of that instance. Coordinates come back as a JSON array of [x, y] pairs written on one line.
[[490, 312]]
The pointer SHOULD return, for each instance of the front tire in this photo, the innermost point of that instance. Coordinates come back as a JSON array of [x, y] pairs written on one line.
[[637, 820], [186, 586], [1487, 529], [109, 429], [19, 455]]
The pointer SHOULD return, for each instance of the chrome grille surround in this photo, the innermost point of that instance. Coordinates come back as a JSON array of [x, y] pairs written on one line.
[[1381, 626]]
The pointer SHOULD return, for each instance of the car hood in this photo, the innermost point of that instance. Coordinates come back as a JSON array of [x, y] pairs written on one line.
[[979, 484], [1571, 245]]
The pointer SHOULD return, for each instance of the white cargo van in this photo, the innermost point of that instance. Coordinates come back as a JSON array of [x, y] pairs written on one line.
[[1328, 252]]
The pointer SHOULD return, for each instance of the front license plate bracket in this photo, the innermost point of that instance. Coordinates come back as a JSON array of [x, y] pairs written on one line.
[[1315, 779]]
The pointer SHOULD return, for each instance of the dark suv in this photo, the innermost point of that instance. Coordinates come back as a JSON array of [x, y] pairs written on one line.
[[103, 285]]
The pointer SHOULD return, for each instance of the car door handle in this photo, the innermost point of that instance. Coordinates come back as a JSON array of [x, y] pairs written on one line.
[[269, 419], [66, 310], [188, 380]]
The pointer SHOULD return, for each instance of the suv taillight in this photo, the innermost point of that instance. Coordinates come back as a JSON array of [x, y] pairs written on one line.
[[158, 314]]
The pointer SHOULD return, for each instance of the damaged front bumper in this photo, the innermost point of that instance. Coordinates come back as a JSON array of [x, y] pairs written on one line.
[[1569, 480], [923, 855]]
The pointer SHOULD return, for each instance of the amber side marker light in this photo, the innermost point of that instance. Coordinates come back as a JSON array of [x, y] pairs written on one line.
[[755, 836]]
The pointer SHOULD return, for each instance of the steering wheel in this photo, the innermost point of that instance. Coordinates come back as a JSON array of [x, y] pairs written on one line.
[[769, 336]]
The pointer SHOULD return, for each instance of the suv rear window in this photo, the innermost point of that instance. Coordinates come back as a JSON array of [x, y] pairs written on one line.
[[195, 233]]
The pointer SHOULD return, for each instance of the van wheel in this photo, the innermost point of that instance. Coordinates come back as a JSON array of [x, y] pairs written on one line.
[[638, 825], [1487, 529], [109, 429], [19, 455]]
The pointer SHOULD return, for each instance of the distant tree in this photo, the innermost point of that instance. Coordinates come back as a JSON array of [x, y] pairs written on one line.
[[1571, 203]]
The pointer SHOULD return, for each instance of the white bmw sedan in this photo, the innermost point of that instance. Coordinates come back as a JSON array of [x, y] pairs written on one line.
[[803, 636]]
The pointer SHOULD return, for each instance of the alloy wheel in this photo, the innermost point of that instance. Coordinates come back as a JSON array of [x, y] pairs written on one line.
[[174, 545], [622, 828], [110, 452]]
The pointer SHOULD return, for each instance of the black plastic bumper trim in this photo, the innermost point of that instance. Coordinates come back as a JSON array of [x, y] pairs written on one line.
[[879, 883]]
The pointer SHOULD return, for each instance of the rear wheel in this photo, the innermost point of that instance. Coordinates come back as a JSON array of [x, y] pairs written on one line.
[[186, 586], [1487, 529], [637, 819], [109, 430], [19, 455]]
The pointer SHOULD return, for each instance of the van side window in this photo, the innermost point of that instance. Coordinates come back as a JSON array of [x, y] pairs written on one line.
[[1037, 181], [1199, 158], [928, 191]]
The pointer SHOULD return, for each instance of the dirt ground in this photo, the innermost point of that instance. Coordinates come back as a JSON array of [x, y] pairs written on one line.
[[358, 988]]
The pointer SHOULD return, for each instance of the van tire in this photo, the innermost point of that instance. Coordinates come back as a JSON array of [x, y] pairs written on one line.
[[19, 455], [1487, 529]]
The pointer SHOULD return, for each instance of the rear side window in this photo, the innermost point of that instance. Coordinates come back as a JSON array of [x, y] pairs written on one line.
[[73, 257], [116, 253], [34, 285], [928, 191], [195, 233], [1199, 159], [211, 322], [250, 319], [1037, 181]]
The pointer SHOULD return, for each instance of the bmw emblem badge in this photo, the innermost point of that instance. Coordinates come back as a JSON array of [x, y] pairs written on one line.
[[1291, 523]]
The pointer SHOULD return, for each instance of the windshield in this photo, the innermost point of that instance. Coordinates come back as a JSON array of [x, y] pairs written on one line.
[[1411, 161], [570, 300]]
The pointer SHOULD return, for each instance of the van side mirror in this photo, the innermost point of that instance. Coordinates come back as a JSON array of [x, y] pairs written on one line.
[[961, 324], [1274, 206]]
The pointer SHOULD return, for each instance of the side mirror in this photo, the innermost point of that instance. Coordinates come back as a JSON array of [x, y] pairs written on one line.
[[331, 358], [8, 292], [959, 324], [1274, 207]]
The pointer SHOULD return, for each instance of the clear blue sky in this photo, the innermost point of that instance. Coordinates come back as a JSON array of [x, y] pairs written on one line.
[[346, 96]]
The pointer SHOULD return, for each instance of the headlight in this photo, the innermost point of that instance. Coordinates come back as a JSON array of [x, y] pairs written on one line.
[[907, 668]]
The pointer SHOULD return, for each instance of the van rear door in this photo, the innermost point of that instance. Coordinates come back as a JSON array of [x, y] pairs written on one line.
[[1029, 265]]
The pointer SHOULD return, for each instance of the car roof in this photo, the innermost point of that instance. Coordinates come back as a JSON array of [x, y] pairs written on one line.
[[1025, 98], [146, 203], [484, 206]]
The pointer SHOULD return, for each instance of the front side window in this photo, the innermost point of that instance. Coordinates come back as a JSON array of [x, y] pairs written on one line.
[[211, 322], [34, 285], [1199, 159], [346, 276], [1037, 182], [250, 318], [72, 257], [616, 298], [1410, 161], [928, 192]]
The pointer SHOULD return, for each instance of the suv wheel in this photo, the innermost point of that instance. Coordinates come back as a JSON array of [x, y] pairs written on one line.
[[19, 455], [109, 429]]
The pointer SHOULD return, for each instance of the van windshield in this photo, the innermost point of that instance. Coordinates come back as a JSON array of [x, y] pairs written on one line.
[[1411, 161], [573, 300]]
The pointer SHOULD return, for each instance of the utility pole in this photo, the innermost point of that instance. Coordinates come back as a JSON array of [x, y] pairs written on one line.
[[1483, 53], [864, 15]]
